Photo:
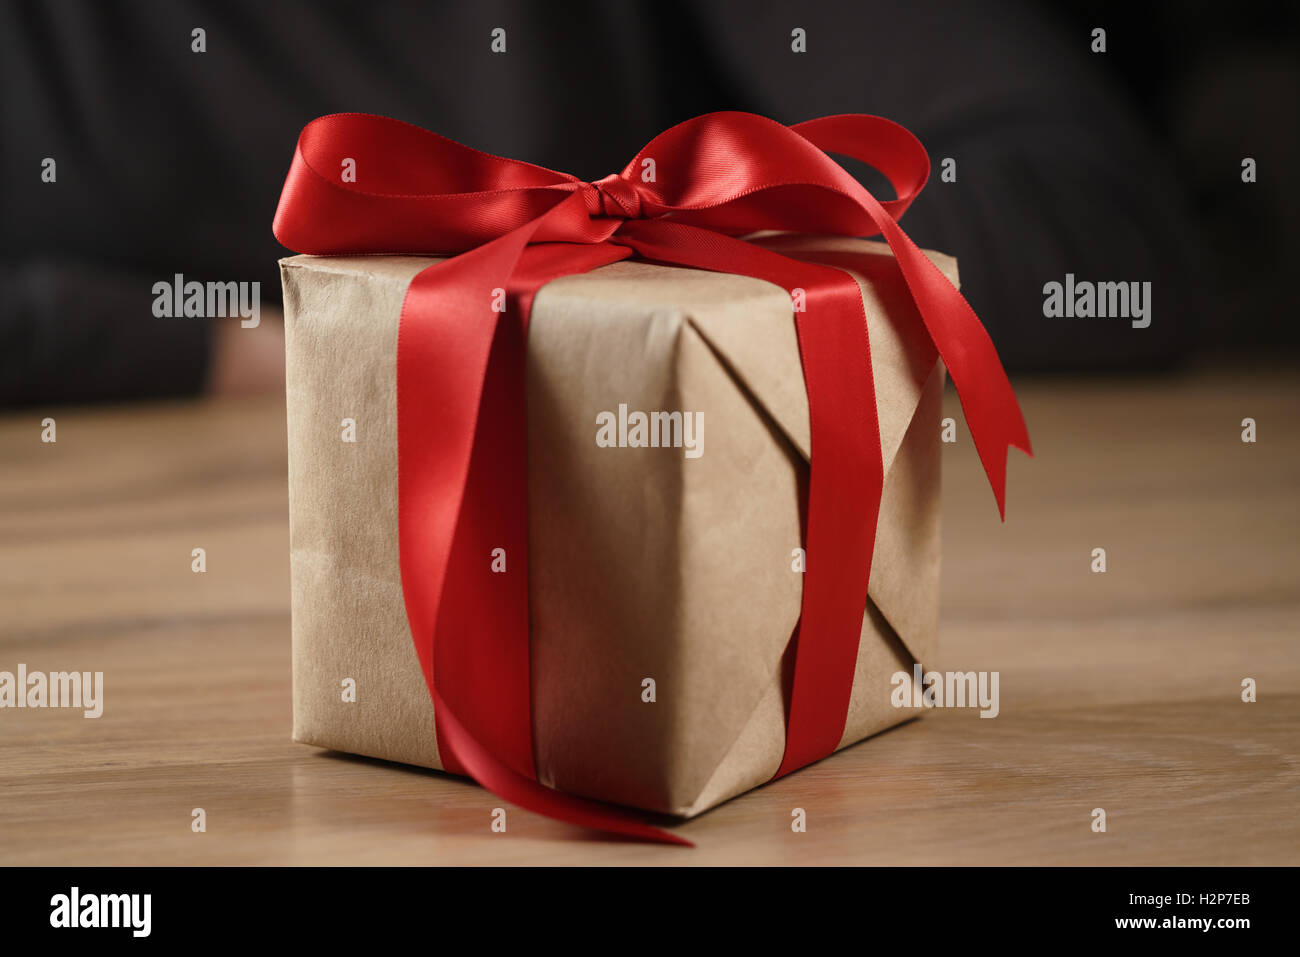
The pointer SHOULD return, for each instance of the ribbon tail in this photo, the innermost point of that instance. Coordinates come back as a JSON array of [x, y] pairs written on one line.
[[963, 343], [462, 507], [499, 778], [987, 400], [989, 404]]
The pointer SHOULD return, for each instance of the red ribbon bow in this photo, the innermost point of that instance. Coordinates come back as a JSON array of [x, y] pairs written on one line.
[[512, 227]]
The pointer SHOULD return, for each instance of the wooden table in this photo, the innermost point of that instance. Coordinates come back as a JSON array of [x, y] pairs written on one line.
[[1119, 691]]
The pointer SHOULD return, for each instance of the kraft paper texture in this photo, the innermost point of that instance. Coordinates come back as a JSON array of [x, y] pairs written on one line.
[[643, 563]]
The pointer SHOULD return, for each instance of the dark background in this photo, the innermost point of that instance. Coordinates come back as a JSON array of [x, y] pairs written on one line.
[[1118, 166]]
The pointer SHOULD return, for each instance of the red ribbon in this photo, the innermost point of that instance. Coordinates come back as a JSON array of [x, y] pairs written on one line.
[[514, 227]]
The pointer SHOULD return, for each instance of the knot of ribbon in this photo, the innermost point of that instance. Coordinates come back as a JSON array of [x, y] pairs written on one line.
[[613, 196], [508, 226]]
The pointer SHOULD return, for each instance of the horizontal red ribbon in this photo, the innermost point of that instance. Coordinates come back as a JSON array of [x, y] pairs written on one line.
[[514, 227]]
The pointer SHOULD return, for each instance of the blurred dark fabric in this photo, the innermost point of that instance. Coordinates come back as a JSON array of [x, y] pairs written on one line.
[[1115, 166]]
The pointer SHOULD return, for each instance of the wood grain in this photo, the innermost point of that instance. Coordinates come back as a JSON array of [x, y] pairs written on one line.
[[1120, 691]]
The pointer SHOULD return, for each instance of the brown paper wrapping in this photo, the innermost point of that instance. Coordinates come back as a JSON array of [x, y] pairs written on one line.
[[643, 563]]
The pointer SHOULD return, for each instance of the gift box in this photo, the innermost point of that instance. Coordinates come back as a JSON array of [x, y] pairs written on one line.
[[632, 499], [667, 563]]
